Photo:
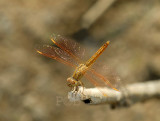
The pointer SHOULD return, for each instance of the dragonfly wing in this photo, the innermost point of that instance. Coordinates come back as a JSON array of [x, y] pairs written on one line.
[[70, 46], [105, 77], [94, 82], [57, 54]]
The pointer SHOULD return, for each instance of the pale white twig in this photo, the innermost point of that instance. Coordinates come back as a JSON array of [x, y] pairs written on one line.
[[126, 96]]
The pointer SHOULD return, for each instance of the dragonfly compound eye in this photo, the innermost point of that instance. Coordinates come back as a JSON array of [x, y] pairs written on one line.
[[71, 81]]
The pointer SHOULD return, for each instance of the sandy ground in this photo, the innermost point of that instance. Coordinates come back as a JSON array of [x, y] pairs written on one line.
[[33, 87]]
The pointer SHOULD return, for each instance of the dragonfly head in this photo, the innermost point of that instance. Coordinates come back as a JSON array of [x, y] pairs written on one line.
[[71, 82]]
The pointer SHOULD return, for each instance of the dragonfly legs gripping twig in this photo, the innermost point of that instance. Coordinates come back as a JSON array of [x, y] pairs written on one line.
[[75, 88]]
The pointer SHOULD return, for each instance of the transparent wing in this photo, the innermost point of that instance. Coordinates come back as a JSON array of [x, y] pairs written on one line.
[[69, 46], [57, 54], [104, 76], [94, 82]]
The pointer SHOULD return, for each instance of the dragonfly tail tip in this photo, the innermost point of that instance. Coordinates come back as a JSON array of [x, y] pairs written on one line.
[[108, 42]]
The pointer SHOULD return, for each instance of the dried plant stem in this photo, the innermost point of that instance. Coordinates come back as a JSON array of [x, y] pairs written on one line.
[[95, 12], [128, 95]]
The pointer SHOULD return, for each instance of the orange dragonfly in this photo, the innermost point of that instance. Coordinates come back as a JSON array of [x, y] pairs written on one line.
[[69, 53]]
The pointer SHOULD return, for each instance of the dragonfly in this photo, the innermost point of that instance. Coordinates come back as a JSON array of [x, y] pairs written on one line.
[[70, 53]]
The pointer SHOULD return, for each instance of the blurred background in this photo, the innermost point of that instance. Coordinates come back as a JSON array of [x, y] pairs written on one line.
[[33, 87]]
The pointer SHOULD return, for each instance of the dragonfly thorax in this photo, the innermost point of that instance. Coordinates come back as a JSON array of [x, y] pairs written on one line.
[[79, 72]]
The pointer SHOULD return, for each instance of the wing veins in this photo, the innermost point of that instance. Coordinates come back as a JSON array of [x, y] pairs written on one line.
[[103, 78], [67, 51], [57, 58], [94, 83]]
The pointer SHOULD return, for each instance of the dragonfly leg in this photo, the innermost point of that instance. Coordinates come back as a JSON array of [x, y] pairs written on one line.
[[74, 88], [81, 84]]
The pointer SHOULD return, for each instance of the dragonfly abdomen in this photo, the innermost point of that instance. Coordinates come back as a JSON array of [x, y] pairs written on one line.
[[97, 54]]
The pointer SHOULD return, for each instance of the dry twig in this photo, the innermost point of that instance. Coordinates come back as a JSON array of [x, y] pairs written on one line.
[[95, 12], [128, 95]]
